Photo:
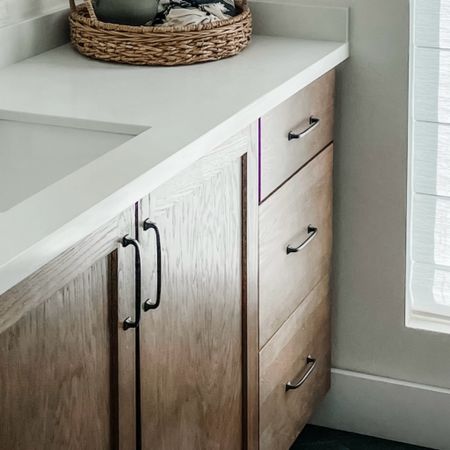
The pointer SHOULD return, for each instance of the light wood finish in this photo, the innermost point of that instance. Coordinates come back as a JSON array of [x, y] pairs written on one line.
[[306, 332], [250, 293], [191, 347], [123, 289], [280, 158], [37, 288], [59, 380], [285, 280], [54, 380]]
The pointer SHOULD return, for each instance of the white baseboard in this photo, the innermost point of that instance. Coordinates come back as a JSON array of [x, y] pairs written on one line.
[[391, 409]]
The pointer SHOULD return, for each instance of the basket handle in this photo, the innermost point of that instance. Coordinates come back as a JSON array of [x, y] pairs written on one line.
[[89, 7]]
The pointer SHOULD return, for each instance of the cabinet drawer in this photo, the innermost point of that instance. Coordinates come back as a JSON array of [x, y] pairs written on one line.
[[306, 334], [285, 220], [281, 157]]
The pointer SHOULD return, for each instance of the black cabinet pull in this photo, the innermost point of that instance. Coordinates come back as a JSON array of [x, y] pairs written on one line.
[[311, 362], [129, 322], [312, 233], [148, 305], [313, 123]]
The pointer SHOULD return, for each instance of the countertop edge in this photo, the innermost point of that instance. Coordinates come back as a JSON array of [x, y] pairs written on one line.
[[49, 246]]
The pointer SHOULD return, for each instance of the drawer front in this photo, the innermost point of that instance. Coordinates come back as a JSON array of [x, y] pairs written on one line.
[[283, 413], [280, 157], [284, 220]]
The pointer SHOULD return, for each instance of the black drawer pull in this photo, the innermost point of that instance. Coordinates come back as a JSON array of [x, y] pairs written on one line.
[[148, 305], [313, 123], [312, 233], [311, 364], [129, 322]]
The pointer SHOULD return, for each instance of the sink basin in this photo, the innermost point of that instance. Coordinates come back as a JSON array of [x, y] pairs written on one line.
[[34, 156]]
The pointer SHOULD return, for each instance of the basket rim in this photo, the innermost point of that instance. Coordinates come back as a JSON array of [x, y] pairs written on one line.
[[76, 16]]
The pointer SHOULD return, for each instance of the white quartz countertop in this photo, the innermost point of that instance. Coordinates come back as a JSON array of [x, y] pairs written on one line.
[[177, 114]]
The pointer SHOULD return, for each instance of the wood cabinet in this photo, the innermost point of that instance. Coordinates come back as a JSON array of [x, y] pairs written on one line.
[[295, 131], [63, 353], [299, 210], [300, 351], [73, 376], [295, 240], [197, 319], [191, 346]]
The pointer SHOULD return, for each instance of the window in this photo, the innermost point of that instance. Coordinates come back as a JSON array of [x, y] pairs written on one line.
[[428, 242]]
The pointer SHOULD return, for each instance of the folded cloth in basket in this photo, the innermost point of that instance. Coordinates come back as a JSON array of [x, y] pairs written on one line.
[[173, 13]]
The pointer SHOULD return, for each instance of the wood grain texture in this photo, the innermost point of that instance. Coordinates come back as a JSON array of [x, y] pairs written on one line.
[[54, 379], [60, 385], [123, 283], [281, 158], [191, 347], [31, 292], [284, 279], [306, 332], [250, 292]]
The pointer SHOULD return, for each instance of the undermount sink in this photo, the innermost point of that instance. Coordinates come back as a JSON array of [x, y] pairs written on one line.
[[33, 156]]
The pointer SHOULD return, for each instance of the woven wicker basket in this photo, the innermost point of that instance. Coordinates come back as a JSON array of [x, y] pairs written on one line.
[[163, 46]]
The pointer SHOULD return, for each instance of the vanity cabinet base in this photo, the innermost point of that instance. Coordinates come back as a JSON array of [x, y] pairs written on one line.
[[295, 370], [295, 245]]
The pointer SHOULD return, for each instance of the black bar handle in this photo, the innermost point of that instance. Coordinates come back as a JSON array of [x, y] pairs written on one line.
[[148, 305], [129, 322], [313, 123], [312, 233], [311, 364]]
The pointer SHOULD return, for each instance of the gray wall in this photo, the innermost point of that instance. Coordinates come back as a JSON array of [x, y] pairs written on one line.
[[370, 204], [13, 11]]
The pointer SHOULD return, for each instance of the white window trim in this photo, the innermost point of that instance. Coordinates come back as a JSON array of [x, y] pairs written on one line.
[[413, 318]]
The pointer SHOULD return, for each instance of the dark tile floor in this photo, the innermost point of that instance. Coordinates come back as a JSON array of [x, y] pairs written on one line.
[[318, 438]]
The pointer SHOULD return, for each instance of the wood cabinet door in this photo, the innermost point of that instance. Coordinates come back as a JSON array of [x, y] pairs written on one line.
[[66, 364], [191, 347]]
